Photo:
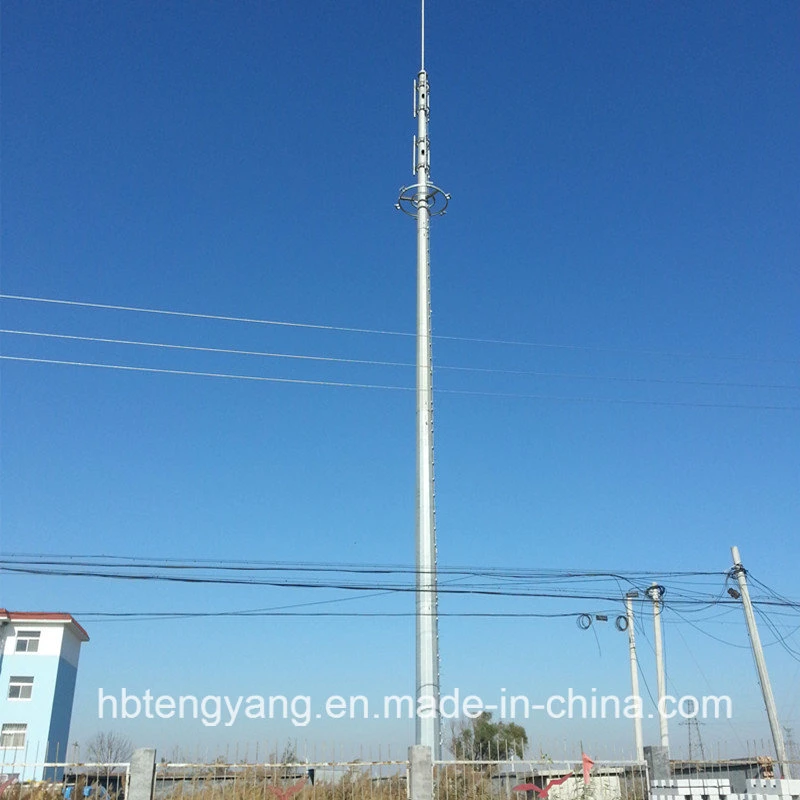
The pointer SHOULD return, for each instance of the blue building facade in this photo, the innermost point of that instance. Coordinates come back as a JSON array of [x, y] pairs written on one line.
[[38, 669]]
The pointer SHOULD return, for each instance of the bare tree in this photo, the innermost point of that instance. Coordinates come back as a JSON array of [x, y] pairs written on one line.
[[108, 747]]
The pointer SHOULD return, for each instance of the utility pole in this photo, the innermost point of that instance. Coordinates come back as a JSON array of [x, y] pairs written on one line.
[[422, 201], [740, 573], [655, 593], [637, 720]]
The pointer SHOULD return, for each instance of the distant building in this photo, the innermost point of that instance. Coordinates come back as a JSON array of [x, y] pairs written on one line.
[[38, 668], [737, 771]]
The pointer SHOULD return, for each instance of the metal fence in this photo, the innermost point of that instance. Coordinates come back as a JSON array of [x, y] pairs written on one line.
[[231, 777], [236, 776], [52, 780], [539, 780], [307, 780]]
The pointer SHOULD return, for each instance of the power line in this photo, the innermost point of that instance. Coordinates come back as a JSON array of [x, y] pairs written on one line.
[[705, 632], [99, 572], [123, 561], [377, 331], [493, 581], [491, 577], [782, 640], [96, 572], [389, 387], [767, 588], [521, 578], [399, 364], [223, 350], [167, 615], [196, 374], [193, 315], [710, 689]]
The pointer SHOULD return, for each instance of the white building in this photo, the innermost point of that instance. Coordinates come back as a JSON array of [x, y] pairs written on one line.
[[38, 668]]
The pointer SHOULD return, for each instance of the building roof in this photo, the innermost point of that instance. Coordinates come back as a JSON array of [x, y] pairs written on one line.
[[43, 616]]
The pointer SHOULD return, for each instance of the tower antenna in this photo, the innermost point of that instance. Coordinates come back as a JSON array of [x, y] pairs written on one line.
[[423, 200], [422, 38]]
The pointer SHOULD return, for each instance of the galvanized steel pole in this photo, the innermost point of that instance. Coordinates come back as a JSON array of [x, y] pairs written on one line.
[[428, 728], [424, 200]]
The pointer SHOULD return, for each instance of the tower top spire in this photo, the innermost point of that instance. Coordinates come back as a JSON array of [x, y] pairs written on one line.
[[422, 37]]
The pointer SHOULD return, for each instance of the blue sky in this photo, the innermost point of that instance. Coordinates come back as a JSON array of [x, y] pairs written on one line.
[[625, 202]]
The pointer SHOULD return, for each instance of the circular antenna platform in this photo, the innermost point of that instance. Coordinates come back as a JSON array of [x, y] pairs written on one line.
[[412, 198]]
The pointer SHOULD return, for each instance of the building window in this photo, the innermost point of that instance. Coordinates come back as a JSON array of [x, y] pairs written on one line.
[[20, 687], [28, 641], [12, 734]]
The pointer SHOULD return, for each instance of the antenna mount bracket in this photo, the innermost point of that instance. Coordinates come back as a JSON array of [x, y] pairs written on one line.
[[412, 198]]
